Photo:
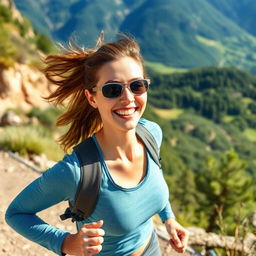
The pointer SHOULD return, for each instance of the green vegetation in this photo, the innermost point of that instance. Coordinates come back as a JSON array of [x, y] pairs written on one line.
[[250, 134], [240, 12], [225, 185], [36, 136], [18, 40], [216, 113], [162, 69], [168, 113], [47, 117], [30, 140]]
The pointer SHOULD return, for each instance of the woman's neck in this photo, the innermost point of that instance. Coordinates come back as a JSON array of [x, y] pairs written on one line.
[[118, 145]]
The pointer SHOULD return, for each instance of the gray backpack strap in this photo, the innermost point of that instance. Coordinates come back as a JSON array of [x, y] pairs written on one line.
[[90, 181], [150, 143]]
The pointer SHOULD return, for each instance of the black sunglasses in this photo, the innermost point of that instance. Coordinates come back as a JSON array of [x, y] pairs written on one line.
[[114, 90]]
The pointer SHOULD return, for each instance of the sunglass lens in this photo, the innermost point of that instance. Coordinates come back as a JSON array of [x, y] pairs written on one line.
[[139, 86], [112, 90]]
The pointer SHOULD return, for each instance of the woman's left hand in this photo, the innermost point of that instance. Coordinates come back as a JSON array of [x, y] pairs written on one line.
[[179, 235]]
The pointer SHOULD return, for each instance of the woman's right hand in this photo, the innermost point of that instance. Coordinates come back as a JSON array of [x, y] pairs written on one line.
[[88, 241]]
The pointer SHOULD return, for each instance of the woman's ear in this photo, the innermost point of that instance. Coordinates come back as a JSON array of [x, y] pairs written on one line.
[[91, 98]]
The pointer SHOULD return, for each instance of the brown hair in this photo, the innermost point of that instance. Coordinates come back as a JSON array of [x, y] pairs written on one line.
[[76, 70]]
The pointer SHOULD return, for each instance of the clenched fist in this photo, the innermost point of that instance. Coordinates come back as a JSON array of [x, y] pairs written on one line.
[[88, 241]]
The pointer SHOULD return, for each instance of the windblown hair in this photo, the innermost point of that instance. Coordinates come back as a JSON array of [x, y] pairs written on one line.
[[76, 70]]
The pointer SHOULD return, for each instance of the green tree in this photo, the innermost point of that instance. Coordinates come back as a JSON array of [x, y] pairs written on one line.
[[8, 52], [44, 43], [226, 184], [183, 195], [5, 14]]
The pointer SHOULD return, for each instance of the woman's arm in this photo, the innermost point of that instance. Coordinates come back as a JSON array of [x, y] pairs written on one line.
[[179, 235], [55, 185]]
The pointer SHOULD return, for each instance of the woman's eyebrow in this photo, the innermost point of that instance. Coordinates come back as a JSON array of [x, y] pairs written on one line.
[[118, 81], [112, 81]]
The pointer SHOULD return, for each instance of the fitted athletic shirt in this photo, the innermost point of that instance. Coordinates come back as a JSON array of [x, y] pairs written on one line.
[[126, 212]]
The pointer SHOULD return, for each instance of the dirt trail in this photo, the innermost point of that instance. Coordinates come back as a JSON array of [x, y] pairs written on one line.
[[14, 177]]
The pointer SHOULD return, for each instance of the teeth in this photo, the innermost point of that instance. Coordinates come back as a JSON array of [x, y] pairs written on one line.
[[125, 112]]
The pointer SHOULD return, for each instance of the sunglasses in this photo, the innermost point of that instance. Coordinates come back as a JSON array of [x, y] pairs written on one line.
[[114, 90]]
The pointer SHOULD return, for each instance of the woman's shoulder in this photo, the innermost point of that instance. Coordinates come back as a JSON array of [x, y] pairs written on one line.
[[66, 169], [153, 128]]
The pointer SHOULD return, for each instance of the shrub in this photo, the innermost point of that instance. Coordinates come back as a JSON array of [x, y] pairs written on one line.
[[44, 43], [5, 14], [47, 117], [8, 52], [28, 140]]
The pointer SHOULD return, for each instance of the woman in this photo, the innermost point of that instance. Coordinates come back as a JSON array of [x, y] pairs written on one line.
[[105, 91]]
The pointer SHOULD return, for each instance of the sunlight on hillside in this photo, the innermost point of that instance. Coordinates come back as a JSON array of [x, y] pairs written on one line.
[[250, 134], [163, 69], [234, 51], [228, 119], [247, 100], [168, 114], [209, 42]]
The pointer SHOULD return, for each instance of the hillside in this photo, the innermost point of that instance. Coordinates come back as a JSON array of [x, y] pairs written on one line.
[[19, 42], [219, 106], [241, 12], [22, 85], [182, 34]]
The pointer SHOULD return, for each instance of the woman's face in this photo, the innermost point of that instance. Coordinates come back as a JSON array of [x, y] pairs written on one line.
[[123, 112]]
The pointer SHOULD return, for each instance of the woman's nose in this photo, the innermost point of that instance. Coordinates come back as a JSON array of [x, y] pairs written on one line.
[[127, 95]]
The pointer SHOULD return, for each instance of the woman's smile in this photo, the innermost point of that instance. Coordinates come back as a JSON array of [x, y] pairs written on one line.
[[126, 113]]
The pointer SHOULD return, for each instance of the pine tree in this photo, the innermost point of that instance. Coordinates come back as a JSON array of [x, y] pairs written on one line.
[[226, 185]]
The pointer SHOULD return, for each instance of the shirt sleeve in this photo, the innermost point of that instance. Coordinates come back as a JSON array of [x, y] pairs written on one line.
[[53, 186], [166, 213]]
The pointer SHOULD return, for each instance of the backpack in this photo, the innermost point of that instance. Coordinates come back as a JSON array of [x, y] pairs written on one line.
[[90, 170]]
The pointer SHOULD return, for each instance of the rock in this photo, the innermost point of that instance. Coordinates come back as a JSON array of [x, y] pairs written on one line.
[[22, 87], [10, 118], [253, 219], [41, 161], [26, 247], [34, 121], [10, 169], [199, 237]]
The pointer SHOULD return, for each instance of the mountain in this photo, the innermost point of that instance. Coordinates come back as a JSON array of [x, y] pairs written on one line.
[[181, 34], [241, 12]]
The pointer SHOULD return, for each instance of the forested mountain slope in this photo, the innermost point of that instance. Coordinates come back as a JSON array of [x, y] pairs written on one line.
[[181, 34]]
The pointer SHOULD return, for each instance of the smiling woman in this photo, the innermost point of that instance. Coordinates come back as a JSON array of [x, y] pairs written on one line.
[[105, 89]]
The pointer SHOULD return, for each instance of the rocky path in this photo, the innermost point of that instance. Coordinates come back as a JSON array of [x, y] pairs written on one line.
[[14, 177]]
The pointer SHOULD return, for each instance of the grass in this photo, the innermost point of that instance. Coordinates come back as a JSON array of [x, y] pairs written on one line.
[[211, 43], [247, 100], [228, 119], [234, 51], [250, 134], [168, 114], [29, 140], [163, 69]]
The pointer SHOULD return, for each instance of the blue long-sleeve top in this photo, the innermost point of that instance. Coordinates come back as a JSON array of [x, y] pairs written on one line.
[[126, 212]]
